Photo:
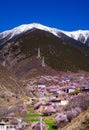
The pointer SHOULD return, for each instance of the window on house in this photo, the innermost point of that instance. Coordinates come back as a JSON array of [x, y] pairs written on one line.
[[2, 126]]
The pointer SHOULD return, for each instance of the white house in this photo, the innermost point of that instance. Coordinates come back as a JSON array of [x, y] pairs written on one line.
[[63, 102], [4, 126], [10, 123], [41, 85], [70, 90]]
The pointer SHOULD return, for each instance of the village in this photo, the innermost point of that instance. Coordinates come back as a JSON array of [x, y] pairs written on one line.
[[47, 100], [46, 95], [54, 85], [50, 94]]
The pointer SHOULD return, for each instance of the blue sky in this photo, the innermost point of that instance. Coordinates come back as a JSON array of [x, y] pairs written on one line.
[[62, 14]]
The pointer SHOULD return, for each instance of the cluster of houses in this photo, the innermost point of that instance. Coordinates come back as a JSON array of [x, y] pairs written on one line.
[[12, 123], [54, 91], [55, 85]]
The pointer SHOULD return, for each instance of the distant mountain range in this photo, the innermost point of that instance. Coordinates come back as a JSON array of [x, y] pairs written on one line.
[[62, 50]]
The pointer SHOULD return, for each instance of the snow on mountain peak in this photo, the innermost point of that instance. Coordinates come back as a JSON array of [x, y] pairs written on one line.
[[79, 35], [24, 28]]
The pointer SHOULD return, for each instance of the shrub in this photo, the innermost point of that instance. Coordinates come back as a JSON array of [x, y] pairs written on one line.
[[61, 118], [36, 126], [37, 105], [23, 111], [75, 92], [49, 110], [77, 109], [80, 101], [73, 113]]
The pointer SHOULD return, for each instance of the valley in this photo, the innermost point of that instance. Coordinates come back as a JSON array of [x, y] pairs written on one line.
[[44, 78]]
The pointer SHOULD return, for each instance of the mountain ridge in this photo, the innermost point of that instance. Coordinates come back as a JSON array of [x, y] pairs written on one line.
[[79, 35], [59, 54]]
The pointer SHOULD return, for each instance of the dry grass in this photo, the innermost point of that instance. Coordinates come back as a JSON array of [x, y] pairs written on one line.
[[8, 82], [79, 123]]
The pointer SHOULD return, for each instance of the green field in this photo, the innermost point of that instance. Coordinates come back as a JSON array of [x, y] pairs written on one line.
[[34, 117], [50, 123]]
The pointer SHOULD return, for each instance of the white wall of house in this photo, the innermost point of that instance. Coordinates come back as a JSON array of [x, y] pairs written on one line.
[[7, 127], [2, 127], [41, 85], [63, 102], [71, 90]]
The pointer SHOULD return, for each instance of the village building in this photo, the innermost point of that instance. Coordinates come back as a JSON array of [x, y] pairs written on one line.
[[70, 90], [41, 90], [9, 123], [43, 62], [63, 102], [66, 79], [41, 85], [85, 89], [6, 126]]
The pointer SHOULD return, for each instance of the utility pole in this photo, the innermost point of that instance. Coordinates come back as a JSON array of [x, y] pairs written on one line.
[[41, 123], [38, 56], [43, 62]]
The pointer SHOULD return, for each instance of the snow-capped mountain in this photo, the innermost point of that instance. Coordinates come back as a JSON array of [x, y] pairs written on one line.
[[82, 36], [58, 47], [7, 35]]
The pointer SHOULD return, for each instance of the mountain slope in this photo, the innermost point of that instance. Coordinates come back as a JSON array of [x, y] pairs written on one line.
[[59, 54], [8, 35], [80, 35], [79, 123], [8, 82]]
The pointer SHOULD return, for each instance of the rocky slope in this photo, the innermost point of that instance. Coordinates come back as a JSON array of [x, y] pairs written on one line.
[[79, 123], [9, 83]]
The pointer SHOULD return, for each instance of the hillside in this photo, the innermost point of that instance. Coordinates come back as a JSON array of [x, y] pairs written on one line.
[[59, 54], [79, 123], [8, 82], [79, 36]]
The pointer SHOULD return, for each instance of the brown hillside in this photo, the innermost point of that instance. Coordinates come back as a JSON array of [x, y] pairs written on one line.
[[8, 82], [79, 123], [59, 54]]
